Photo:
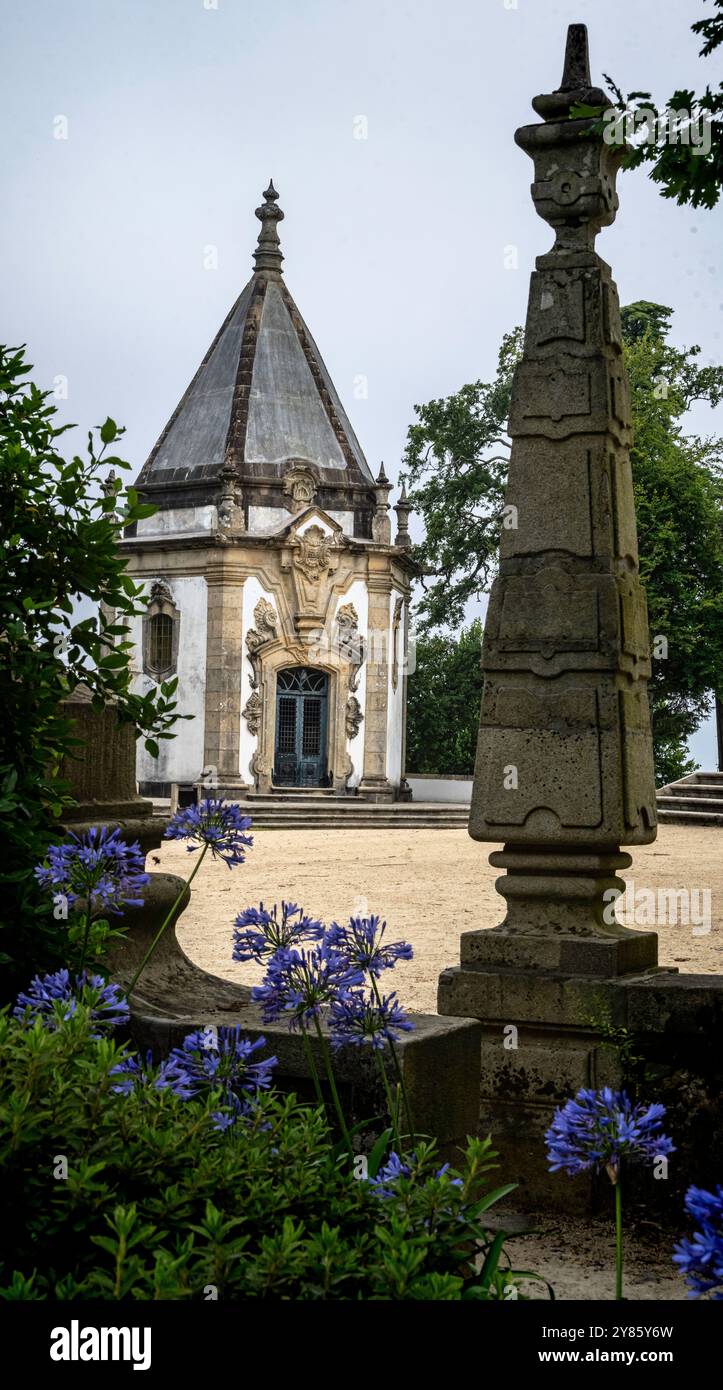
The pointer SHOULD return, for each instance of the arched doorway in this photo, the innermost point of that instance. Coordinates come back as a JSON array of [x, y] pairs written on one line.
[[301, 724]]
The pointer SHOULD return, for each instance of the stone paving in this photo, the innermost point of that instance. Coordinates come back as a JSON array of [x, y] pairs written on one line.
[[430, 885]]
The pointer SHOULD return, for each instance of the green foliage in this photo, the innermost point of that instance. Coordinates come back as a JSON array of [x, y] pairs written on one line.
[[456, 458], [685, 172], [60, 530], [443, 700], [157, 1204], [676, 480]]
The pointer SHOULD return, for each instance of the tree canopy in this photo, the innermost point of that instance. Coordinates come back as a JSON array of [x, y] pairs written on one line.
[[443, 700], [457, 455]]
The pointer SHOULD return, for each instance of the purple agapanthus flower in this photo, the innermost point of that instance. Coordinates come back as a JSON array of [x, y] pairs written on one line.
[[259, 933], [216, 823], [362, 1020], [135, 1074], [212, 1058], [701, 1259], [98, 868], [209, 1059], [387, 1176], [599, 1128], [55, 998], [361, 940], [384, 1184], [299, 983]]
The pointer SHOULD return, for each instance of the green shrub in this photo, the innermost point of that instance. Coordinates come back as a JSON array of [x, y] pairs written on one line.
[[157, 1203], [61, 519]]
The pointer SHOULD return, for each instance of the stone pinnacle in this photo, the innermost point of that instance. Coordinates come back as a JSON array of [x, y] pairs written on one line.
[[268, 256]]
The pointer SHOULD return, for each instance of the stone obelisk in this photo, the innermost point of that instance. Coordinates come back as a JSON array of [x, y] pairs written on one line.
[[564, 771]]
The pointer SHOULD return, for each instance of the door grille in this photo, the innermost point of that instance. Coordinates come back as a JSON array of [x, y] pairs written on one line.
[[286, 733], [311, 737], [301, 724]]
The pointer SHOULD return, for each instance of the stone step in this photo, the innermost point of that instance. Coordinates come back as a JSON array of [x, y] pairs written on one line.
[[311, 824], [699, 791], [690, 803], [693, 800], [360, 817], [302, 813], [350, 805], [679, 817]]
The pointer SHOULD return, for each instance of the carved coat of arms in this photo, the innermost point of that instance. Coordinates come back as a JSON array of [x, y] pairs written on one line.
[[313, 554]]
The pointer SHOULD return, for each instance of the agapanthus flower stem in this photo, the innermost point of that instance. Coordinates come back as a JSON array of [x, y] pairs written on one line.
[[397, 1068], [166, 920], [332, 1087], [618, 1238], [392, 1108], [86, 934], [312, 1067]]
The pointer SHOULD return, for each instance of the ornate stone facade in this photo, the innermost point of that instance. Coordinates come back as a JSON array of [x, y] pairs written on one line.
[[275, 539]]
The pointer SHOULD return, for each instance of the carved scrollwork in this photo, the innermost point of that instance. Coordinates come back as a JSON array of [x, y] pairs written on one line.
[[350, 643], [299, 486], [354, 717], [265, 630], [396, 623], [161, 591], [260, 767], [230, 507], [252, 712]]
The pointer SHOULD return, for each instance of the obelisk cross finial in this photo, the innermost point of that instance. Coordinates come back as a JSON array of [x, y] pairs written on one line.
[[575, 169], [268, 256], [576, 72]]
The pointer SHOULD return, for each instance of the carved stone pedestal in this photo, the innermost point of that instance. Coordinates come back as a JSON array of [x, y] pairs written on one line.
[[102, 775]]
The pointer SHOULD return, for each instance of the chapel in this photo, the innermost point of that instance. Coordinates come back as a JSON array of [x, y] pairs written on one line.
[[277, 595]]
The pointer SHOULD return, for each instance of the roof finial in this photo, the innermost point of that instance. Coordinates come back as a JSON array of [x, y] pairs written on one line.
[[267, 256]]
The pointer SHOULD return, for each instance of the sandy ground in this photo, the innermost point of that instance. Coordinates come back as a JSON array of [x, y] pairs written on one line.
[[578, 1258], [431, 885]]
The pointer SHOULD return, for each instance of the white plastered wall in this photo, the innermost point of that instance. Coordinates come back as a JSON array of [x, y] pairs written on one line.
[[264, 521], [180, 759], [177, 520], [248, 742]]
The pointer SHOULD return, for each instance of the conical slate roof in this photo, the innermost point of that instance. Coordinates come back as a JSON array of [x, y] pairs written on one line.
[[261, 398]]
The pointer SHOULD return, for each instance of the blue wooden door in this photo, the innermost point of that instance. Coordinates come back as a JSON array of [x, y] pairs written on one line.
[[301, 723]]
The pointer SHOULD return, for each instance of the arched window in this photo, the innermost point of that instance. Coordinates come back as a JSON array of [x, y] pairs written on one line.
[[160, 643], [161, 624]]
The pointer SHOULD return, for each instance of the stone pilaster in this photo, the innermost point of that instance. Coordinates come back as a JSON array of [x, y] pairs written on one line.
[[224, 661], [405, 791], [374, 784]]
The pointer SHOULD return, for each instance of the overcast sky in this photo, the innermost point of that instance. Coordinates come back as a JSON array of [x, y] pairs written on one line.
[[176, 114]]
